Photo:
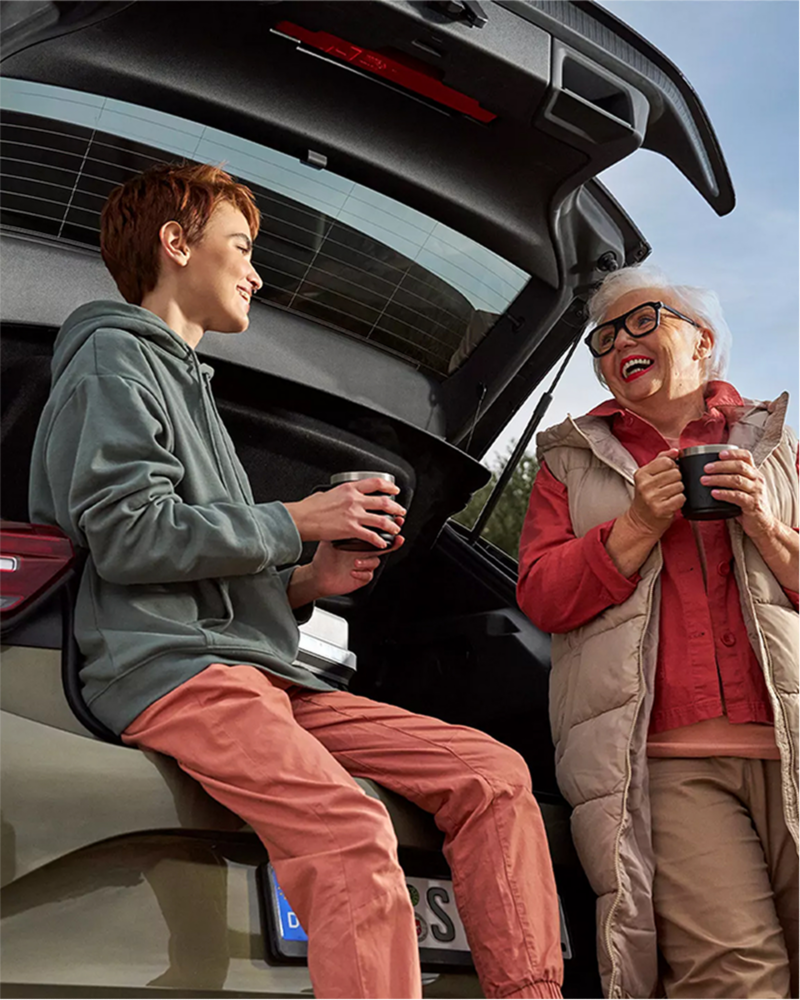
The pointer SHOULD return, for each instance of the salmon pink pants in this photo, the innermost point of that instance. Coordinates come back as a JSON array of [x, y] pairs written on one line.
[[281, 757]]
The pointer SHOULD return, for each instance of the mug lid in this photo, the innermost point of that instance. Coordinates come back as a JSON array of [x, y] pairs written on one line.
[[354, 477], [701, 449]]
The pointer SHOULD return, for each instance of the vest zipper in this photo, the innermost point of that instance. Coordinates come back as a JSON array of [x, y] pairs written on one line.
[[777, 704], [792, 768], [612, 986], [617, 866]]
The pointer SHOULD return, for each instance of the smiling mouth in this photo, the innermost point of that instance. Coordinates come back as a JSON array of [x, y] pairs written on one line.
[[632, 368], [244, 295]]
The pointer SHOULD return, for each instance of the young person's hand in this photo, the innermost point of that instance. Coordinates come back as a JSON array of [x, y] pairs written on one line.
[[337, 571], [334, 572], [346, 512]]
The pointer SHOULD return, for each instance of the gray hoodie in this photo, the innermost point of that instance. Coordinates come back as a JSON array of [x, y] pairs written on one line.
[[132, 461]]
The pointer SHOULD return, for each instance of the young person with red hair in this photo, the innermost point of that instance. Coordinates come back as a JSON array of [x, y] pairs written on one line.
[[186, 618]]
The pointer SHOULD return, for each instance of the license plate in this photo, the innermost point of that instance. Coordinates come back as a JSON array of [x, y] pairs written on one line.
[[440, 933]]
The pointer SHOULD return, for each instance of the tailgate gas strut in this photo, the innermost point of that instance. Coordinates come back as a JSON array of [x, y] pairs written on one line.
[[467, 10], [536, 418]]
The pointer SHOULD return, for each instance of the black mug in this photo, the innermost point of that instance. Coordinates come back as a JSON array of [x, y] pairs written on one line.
[[359, 544], [700, 505]]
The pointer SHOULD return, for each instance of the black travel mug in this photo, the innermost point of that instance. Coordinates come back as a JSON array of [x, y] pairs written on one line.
[[700, 504], [359, 544]]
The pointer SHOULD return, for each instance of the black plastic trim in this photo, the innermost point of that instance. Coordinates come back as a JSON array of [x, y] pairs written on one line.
[[71, 660]]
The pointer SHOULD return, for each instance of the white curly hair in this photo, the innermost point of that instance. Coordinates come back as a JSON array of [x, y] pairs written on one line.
[[701, 304]]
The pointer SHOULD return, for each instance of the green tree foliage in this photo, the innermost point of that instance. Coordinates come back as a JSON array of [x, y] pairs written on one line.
[[504, 526]]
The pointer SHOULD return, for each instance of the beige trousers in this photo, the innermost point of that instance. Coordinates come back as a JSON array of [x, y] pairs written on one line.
[[726, 883]]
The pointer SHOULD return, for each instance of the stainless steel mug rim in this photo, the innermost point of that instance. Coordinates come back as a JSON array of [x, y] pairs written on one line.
[[701, 449], [354, 477]]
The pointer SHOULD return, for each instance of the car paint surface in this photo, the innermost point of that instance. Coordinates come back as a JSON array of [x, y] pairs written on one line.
[[121, 876]]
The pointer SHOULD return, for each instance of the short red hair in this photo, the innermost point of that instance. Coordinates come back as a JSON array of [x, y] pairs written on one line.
[[168, 192]]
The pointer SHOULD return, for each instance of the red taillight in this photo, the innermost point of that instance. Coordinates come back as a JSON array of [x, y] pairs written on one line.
[[421, 81], [33, 557]]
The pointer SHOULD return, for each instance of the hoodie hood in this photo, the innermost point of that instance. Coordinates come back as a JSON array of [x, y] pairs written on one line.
[[86, 320]]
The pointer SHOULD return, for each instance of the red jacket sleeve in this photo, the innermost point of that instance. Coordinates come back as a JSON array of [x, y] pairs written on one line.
[[564, 581]]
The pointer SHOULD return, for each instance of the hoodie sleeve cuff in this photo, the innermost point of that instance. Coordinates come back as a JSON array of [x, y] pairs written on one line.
[[279, 534], [618, 587], [301, 614]]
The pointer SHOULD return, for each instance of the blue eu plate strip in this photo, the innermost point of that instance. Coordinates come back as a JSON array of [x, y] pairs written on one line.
[[290, 925]]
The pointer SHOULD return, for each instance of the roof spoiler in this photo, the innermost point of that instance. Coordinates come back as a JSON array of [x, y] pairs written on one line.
[[677, 126]]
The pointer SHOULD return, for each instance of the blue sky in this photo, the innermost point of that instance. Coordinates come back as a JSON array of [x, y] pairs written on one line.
[[741, 57]]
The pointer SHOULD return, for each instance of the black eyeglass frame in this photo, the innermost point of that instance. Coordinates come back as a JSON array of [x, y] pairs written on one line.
[[620, 321]]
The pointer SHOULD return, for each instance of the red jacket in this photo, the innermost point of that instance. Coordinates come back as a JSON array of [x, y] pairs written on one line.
[[706, 665]]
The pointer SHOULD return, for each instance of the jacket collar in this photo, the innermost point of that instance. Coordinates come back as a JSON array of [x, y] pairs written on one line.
[[752, 424], [719, 395]]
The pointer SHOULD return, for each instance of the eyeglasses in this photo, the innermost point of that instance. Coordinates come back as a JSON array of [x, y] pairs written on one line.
[[638, 322]]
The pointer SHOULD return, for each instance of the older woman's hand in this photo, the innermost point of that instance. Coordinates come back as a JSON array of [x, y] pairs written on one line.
[[658, 493], [736, 479]]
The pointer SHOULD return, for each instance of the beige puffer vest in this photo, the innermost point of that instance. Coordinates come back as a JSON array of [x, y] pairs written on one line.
[[601, 686]]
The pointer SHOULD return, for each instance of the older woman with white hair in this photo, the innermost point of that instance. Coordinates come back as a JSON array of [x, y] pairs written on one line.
[[673, 697]]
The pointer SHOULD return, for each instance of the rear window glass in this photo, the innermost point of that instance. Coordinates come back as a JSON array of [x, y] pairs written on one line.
[[339, 252]]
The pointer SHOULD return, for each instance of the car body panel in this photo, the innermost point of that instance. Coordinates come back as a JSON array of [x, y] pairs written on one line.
[[516, 201], [161, 865], [80, 779], [120, 873], [678, 126]]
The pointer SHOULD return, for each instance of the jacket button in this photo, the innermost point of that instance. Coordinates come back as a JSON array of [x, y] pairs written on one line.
[[724, 568], [728, 638]]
